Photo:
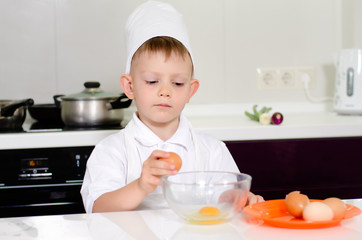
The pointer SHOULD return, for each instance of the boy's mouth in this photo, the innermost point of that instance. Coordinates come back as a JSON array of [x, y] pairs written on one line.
[[162, 105]]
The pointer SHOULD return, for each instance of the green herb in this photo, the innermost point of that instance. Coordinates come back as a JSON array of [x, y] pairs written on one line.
[[256, 115]]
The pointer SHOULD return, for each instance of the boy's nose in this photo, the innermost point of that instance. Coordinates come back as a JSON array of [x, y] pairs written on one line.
[[165, 92]]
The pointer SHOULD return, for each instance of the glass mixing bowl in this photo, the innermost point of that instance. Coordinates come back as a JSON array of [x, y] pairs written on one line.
[[208, 197]]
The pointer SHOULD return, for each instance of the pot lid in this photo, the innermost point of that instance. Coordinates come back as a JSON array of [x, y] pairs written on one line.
[[92, 91]]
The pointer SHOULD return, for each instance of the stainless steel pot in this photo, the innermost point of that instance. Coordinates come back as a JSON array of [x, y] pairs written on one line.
[[13, 113], [93, 107]]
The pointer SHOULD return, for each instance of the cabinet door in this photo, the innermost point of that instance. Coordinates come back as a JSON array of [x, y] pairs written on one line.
[[318, 167]]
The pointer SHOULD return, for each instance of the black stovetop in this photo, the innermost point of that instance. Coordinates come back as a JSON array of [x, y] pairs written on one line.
[[32, 127]]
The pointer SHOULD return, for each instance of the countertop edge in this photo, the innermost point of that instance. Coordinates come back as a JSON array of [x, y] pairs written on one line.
[[227, 124]]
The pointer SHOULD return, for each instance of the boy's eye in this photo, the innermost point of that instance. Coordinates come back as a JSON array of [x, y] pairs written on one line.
[[151, 81], [179, 83]]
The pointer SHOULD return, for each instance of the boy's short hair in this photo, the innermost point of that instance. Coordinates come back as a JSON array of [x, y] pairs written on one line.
[[165, 44]]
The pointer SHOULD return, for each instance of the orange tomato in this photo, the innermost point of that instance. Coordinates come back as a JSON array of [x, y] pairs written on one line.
[[175, 159]]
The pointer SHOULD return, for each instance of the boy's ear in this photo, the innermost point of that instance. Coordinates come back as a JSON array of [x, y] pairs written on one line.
[[194, 85], [126, 84]]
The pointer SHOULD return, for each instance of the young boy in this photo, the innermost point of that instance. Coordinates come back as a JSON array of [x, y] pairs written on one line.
[[124, 170]]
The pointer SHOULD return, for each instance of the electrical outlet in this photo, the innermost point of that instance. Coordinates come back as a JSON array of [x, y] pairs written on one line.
[[267, 78], [287, 78], [310, 71]]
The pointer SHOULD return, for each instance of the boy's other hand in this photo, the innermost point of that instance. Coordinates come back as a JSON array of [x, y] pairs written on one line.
[[252, 198]]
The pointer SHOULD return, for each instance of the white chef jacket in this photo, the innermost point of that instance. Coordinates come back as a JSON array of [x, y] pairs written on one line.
[[107, 167]]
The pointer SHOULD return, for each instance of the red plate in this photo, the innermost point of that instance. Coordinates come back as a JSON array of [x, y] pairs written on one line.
[[274, 212]]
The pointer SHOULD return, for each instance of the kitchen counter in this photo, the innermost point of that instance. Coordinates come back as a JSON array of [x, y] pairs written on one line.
[[164, 224], [226, 122]]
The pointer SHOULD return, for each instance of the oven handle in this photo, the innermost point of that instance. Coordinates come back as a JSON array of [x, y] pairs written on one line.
[[40, 204], [69, 183]]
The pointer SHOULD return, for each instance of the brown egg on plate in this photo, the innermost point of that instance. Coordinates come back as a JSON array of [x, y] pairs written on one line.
[[338, 207], [295, 203]]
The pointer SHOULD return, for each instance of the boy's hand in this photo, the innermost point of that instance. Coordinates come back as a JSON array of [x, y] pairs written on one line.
[[238, 198], [252, 198], [153, 169]]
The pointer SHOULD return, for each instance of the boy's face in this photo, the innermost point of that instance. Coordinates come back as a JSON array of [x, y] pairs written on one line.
[[160, 87]]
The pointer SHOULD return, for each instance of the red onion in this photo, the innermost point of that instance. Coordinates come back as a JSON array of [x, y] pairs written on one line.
[[277, 118]]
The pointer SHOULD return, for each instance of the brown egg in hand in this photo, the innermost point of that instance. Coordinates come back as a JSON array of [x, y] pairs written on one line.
[[175, 159], [295, 203]]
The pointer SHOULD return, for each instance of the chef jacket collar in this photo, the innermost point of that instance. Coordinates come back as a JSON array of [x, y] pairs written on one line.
[[146, 137]]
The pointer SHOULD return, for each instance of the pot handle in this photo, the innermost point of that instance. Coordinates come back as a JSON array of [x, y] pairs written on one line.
[[122, 102], [56, 99], [92, 84], [9, 110]]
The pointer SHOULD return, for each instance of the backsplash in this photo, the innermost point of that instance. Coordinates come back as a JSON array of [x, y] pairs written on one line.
[[50, 47]]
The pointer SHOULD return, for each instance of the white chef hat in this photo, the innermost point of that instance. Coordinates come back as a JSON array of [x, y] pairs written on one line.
[[153, 19]]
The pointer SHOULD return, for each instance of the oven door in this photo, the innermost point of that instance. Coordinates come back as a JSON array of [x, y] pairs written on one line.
[[42, 181], [47, 199]]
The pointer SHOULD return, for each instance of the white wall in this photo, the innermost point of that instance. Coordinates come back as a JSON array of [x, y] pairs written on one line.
[[49, 47], [357, 24]]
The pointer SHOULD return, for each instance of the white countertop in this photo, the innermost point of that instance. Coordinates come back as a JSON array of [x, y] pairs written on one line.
[[226, 122], [164, 224]]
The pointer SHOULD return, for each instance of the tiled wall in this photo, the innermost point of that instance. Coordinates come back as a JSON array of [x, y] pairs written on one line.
[[49, 47]]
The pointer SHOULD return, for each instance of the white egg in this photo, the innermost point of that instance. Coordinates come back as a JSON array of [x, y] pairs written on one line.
[[317, 211]]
